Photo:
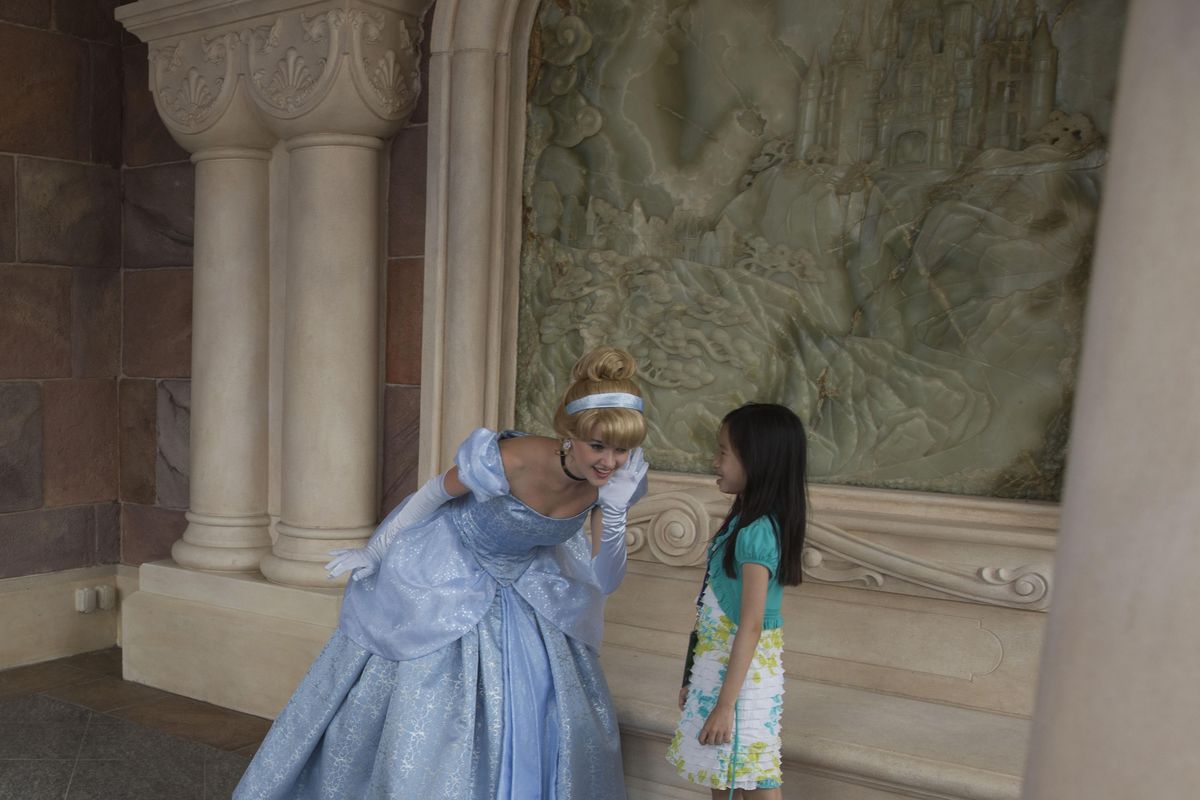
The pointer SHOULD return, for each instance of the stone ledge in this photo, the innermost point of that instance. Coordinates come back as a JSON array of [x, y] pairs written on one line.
[[901, 746]]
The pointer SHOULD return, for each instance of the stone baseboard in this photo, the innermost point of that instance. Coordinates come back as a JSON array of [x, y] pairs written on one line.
[[38, 620]]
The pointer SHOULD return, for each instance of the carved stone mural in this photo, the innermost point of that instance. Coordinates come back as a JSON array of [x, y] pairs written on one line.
[[879, 213]]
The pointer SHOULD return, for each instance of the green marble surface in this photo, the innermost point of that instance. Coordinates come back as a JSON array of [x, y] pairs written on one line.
[[904, 263]]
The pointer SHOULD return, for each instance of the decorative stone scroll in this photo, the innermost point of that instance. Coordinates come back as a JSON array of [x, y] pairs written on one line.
[[885, 548]]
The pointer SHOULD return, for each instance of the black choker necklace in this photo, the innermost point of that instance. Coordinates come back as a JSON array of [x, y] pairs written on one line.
[[562, 459]]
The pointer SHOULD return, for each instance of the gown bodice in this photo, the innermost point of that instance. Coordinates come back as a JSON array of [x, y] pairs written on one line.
[[439, 576]]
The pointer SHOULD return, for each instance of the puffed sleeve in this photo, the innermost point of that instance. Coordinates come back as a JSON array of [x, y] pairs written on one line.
[[757, 543], [479, 465]]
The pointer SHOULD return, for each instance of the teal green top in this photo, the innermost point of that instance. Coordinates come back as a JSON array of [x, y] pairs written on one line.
[[757, 543]]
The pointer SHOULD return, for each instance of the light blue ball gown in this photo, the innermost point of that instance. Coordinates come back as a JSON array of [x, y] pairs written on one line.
[[465, 668]]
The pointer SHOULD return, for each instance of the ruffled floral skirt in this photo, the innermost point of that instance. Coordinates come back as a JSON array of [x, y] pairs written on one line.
[[752, 760]]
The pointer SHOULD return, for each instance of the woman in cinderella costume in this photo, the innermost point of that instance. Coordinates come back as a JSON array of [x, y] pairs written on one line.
[[464, 665]]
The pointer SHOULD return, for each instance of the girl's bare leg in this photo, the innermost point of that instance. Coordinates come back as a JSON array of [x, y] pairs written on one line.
[[723, 794], [761, 794]]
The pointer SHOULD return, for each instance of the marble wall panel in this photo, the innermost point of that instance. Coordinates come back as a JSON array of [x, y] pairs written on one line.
[[406, 193], [35, 328], [137, 440], [108, 533], [49, 116], [95, 323], [158, 216], [171, 471], [106, 95], [35, 13], [145, 138], [8, 210], [147, 532], [68, 213], [401, 431], [405, 279], [79, 428], [157, 325], [908, 276], [20, 446], [47, 540]]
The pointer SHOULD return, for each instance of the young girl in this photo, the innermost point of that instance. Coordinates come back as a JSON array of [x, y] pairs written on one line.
[[732, 698]]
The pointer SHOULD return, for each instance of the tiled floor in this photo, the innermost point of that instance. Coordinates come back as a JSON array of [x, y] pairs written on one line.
[[73, 729]]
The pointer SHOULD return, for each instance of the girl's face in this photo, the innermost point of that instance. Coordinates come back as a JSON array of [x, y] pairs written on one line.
[[594, 459], [731, 476]]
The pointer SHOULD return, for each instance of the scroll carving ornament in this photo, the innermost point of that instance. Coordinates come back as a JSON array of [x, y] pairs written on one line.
[[675, 527]]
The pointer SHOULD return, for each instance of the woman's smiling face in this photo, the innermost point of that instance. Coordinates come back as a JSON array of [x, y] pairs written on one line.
[[594, 459]]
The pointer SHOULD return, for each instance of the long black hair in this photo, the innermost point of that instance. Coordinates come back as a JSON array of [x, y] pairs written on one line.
[[770, 443]]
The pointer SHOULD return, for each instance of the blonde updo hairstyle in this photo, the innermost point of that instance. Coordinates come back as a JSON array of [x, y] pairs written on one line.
[[605, 369]]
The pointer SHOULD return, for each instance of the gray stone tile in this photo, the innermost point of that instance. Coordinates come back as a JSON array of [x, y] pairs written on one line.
[[35, 328], [137, 440], [26, 12], [130, 780], [8, 209], [147, 532], [68, 213], [156, 337], [145, 138], [95, 323], [35, 780], [401, 426], [34, 726], [108, 534], [46, 540], [50, 114], [20, 446], [108, 90], [112, 739], [222, 771], [92, 19], [174, 432], [158, 216], [79, 417]]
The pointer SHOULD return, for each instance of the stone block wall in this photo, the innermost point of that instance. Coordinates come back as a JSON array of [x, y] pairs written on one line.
[[96, 224], [60, 284]]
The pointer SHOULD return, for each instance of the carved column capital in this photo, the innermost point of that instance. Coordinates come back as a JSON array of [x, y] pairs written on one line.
[[245, 73]]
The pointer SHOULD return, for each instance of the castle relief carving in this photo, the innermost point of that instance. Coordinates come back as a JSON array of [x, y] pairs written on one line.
[[880, 213]]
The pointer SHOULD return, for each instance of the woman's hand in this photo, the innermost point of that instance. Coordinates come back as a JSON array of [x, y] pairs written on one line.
[[718, 728], [617, 493], [683, 697]]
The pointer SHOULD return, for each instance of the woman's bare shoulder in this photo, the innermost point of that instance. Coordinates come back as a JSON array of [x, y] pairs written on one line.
[[520, 452]]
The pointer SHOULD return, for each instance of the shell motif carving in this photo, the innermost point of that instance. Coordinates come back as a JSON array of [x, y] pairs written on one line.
[[193, 80], [385, 52], [287, 84]]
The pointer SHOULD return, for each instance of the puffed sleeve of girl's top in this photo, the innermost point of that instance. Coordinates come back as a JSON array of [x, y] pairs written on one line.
[[479, 466], [758, 544]]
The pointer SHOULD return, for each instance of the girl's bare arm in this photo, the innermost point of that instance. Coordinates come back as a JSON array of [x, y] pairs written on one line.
[[718, 728]]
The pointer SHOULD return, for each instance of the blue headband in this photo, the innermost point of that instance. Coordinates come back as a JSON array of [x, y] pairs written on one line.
[[606, 400]]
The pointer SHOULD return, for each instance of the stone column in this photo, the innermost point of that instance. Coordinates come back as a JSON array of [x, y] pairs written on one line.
[[193, 78], [333, 79], [1118, 714], [227, 521], [333, 83], [331, 355]]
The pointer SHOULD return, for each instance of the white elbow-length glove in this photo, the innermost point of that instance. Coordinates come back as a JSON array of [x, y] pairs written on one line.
[[624, 488], [362, 562]]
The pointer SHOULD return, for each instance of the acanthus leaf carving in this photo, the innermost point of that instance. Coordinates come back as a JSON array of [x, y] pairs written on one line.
[[292, 85], [191, 100]]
